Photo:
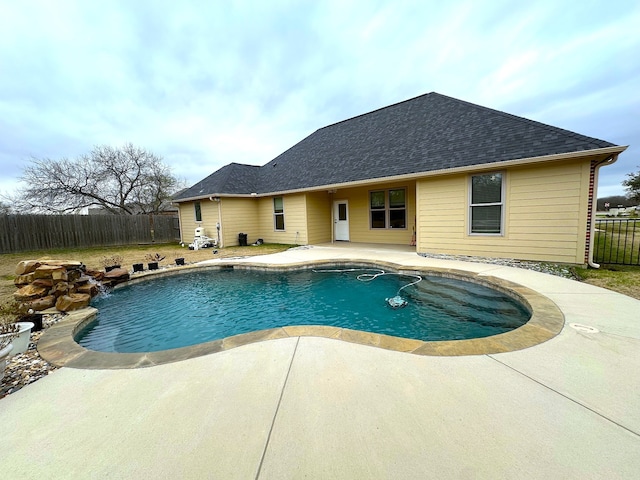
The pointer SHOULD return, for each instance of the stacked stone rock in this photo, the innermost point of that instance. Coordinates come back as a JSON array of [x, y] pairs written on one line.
[[60, 284]]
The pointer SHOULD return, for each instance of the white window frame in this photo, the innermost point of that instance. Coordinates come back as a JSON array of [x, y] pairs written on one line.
[[277, 214], [501, 204], [387, 209], [197, 207]]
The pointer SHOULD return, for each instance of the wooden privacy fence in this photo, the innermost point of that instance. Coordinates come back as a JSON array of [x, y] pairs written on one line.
[[617, 241], [19, 233]]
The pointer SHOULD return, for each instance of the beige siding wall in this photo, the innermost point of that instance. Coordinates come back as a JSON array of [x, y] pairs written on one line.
[[239, 215], [544, 218], [188, 223], [307, 216], [318, 217], [545, 215], [295, 217], [359, 212]]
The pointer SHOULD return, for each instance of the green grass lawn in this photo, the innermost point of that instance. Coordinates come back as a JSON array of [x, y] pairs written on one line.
[[619, 278], [617, 242]]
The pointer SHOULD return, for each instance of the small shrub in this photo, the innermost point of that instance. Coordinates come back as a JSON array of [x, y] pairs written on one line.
[[9, 312], [112, 261], [8, 329]]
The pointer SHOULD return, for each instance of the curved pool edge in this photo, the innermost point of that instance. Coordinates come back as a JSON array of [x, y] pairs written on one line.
[[58, 347]]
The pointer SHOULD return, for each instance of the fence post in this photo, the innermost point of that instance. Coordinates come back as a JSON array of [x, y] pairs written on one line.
[[151, 224]]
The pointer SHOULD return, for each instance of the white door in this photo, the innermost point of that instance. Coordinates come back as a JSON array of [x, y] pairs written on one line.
[[341, 220]]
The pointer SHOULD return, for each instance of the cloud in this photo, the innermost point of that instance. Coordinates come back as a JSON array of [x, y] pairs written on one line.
[[207, 83]]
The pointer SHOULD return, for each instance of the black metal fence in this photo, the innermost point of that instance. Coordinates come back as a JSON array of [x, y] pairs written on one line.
[[617, 241], [20, 233]]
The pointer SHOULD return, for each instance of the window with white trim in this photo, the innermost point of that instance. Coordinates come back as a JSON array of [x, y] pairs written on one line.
[[278, 213], [388, 208], [486, 204], [197, 211]]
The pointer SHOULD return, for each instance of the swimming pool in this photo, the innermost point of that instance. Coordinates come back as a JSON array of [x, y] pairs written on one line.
[[204, 305]]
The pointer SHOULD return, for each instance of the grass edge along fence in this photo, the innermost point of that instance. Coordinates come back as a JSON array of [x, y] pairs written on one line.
[[19, 233], [617, 242]]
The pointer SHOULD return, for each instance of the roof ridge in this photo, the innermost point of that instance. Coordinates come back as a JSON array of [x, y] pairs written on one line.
[[527, 120], [274, 159], [226, 172], [379, 109], [243, 164]]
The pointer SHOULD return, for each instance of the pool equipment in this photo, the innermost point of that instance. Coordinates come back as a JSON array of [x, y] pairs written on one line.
[[200, 240], [393, 302], [396, 302]]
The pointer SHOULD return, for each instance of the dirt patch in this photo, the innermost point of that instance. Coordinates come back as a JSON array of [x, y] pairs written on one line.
[[94, 258]]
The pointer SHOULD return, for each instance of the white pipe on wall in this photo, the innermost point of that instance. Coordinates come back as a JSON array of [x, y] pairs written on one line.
[[218, 200], [594, 208]]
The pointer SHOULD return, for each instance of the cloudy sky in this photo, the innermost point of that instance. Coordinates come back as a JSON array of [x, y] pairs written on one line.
[[205, 83]]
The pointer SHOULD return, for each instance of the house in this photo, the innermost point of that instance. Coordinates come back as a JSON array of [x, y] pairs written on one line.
[[466, 179]]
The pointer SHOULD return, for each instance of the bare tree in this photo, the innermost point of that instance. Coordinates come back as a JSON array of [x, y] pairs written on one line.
[[5, 208], [127, 180], [632, 186]]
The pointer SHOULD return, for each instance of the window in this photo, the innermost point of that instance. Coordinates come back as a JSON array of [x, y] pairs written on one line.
[[397, 208], [198, 211], [342, 212], [378, 210], [485, 206], [278, 213], [388, 208]]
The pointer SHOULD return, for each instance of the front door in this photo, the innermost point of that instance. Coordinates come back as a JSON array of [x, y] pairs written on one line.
[[341, 220]]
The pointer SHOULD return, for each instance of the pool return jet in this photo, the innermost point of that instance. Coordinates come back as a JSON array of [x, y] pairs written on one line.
[[394, 302]]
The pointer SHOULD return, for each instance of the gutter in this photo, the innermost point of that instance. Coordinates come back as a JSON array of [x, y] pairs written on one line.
[[582, 154], [594, 207], [609, 151]]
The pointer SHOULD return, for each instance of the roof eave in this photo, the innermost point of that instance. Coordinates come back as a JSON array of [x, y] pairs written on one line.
[[597, 152], [210, 196]]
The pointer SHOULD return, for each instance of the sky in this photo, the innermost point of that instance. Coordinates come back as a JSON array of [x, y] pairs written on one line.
[[206, 83]]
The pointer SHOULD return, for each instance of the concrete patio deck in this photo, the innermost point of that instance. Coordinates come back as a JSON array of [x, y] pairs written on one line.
[[309, 407]]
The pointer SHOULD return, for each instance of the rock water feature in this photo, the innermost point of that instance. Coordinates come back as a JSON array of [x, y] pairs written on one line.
[[60, 284], [42, 286]]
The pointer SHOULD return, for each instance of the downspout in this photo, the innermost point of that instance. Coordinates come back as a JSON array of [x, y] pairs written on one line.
[[180, 223], [594, 207]]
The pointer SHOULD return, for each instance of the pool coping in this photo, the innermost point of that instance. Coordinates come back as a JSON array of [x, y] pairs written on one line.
[[58, 347]]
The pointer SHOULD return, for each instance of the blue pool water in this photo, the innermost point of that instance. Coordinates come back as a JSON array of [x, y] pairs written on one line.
[[200, 306]]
